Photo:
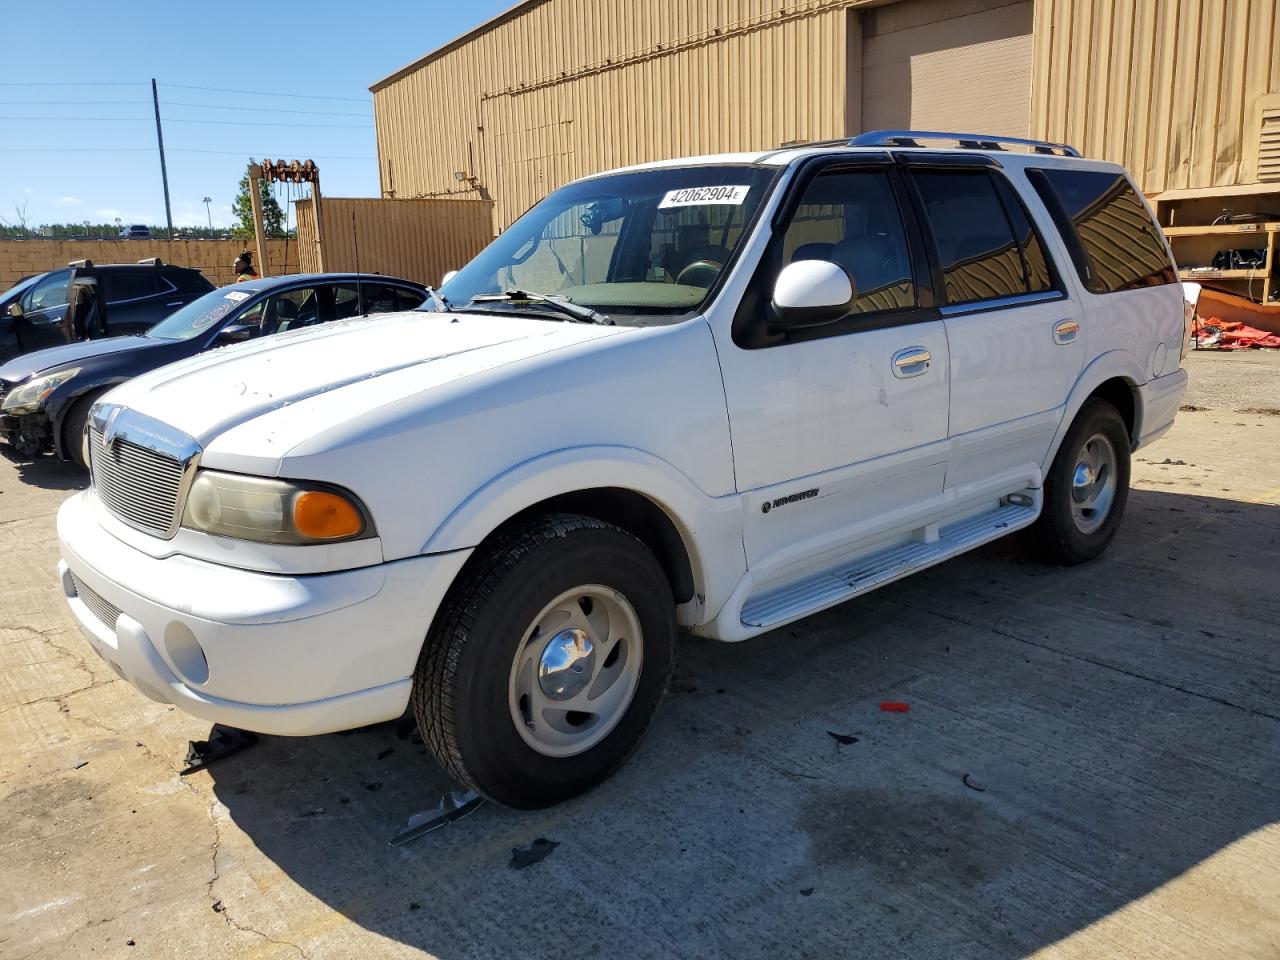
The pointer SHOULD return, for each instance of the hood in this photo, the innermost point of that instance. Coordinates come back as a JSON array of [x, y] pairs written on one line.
[[376, 361], [29, 364]]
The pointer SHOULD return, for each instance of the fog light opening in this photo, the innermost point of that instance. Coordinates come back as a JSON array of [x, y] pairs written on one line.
[[185, 653]]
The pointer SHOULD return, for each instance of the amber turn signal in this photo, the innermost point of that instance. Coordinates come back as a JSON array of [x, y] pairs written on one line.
[[326, 516]]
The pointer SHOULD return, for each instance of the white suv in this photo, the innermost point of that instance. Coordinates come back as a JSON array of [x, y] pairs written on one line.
[[716, 394]]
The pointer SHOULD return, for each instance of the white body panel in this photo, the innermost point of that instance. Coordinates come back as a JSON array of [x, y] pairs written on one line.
[[796, 475]]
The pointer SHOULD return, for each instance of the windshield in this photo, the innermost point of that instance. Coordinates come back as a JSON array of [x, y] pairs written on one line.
[[199, 315], [633, 246]]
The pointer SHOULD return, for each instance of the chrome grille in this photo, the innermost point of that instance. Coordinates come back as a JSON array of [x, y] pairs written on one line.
[[139, 485], [99, 606]]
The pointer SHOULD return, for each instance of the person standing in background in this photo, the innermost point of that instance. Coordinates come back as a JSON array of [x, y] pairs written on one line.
[[244, 267]]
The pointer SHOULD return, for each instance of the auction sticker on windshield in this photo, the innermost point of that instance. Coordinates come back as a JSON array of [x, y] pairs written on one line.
[[701, 196], [237, 295]]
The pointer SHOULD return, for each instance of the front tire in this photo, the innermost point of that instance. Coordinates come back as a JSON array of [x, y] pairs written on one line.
[[546, 662], [73, 425], [1086, 489]]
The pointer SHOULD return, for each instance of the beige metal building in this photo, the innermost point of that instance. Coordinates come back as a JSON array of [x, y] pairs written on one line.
[[1186, 93]]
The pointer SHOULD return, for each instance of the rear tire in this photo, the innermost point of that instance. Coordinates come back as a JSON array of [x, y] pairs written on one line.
[[1086, 489], [547, 660]]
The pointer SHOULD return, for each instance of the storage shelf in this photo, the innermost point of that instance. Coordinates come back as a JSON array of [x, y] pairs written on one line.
[[1223, 228], [1187, 273]]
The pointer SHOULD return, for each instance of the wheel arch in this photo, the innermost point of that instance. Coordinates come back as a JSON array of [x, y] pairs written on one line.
[[58, 414], [1115, 377], [696, 538]]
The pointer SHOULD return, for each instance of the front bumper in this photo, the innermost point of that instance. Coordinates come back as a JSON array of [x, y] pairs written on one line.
[[288, 655], [27, 435]]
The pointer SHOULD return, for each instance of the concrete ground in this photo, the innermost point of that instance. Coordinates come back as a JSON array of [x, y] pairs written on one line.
[[1089, 768]]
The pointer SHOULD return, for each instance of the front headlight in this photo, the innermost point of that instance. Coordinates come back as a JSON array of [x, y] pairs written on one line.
[[273, 511], [28, 397]]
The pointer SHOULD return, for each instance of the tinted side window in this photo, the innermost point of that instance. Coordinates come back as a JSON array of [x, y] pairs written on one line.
[[409, 299], [980, 258], [1121, 245], [48, 293], [851, 218], [288, 311], [187, 280], [346, 301], [1039, 276], [384, 298], [129, 285]]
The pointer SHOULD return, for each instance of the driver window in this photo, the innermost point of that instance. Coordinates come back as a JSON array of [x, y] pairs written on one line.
[[48, 293], [851, 218], [290, 310]]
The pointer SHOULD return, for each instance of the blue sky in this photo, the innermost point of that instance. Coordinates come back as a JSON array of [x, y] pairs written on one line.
[[65, 167]]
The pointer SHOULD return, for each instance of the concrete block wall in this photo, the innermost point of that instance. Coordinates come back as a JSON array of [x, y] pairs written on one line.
[[20, 258]]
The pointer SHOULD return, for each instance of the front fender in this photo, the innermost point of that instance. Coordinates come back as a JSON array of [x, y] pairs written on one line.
[[1108, 366], [711, 527]]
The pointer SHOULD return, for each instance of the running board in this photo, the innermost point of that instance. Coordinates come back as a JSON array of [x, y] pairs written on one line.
[[866, 573]]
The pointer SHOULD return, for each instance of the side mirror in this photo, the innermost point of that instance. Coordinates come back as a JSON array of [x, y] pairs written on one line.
[[15, 310], [809, 293], [448, 275], [235, 333]]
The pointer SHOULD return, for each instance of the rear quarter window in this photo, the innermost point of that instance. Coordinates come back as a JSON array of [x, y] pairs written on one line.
[[1113, 240]]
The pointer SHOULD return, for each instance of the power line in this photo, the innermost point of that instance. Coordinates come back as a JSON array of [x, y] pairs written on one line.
[[187, 86], [222, 123], [225, 153], [249, 153], [64, 103], [216, 106], [86, 83], [176, 103], [261, 93]]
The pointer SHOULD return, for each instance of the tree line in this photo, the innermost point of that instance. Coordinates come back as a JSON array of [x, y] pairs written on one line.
[[18, 227]]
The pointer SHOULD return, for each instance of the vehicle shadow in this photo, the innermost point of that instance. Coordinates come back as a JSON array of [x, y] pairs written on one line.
[[50, 473], [1077, 738]]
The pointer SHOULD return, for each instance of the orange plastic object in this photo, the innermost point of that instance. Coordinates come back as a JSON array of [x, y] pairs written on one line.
[[894, 706]]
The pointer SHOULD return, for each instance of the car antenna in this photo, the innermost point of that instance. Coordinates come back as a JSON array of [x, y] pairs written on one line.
[[355, 243]]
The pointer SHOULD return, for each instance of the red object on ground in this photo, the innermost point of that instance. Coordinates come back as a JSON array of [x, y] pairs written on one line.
[[894, 706], [1232, 335]]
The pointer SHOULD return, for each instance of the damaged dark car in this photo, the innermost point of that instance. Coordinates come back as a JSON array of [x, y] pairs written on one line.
[[45, 396]]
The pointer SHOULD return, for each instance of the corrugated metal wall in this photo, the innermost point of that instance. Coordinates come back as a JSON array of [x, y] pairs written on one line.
[[414, 239], [557, 89], [1169, 88], [571, 87]]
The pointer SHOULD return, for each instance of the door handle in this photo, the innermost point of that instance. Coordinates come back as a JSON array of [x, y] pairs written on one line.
[[1065, 331], [910, 362]]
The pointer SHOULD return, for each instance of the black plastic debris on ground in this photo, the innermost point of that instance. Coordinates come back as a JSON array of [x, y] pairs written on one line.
[[973, 784], [844, 739], [452, 806], [538, 851], [222, 742]]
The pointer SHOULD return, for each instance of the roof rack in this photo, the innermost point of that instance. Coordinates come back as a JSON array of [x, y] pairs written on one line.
[[968, 141], [151, 262]]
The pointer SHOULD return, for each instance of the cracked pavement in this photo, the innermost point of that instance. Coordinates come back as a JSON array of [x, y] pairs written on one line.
[[1089, 768]]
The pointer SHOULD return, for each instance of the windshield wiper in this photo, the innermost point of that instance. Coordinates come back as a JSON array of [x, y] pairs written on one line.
[[437, 300], [563, 305]]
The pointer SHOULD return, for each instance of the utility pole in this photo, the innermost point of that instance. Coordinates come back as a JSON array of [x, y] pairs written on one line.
[[206, 201], [255, 201], [164, 173]]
